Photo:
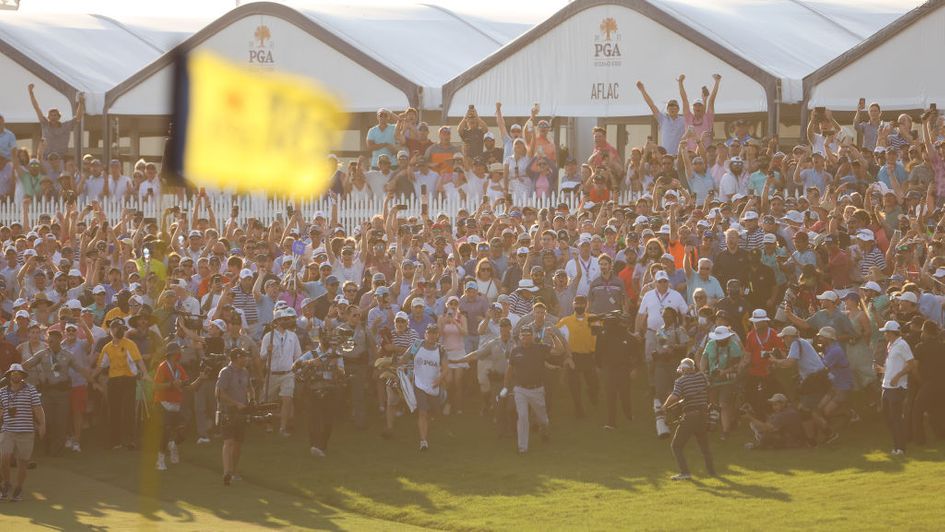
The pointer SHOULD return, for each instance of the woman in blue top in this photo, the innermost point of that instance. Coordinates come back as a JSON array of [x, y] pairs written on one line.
[[720, 361]]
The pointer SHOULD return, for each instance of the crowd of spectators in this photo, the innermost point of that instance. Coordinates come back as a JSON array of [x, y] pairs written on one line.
[[805, 281]]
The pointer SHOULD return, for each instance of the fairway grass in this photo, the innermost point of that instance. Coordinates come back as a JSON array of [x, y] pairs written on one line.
[[585, 478]]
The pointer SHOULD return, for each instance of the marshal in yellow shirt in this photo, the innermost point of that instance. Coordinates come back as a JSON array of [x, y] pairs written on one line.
[[117, 356]]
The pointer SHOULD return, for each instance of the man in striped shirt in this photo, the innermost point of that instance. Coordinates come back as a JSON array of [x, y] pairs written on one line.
[[23, 417], [754, 234], [868, 255], [691, 391]]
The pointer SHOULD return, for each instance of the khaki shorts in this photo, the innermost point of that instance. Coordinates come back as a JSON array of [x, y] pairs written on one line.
[[281, 386], [18, 444]]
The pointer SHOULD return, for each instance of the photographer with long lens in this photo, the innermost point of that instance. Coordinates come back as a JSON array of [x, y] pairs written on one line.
[[320, 373], [234, 393], [211, 358]]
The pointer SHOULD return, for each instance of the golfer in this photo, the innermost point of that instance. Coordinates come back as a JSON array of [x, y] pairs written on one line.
[[23, 418], [691, 390]]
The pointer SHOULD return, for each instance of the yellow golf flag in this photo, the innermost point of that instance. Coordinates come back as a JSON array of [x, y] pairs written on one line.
[[254, 131]]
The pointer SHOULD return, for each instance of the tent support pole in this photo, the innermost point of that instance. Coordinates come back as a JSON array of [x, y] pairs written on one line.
[[106, 137]]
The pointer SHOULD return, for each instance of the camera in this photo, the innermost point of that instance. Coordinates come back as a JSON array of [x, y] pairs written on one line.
[[614, 319], [260, 413], [211, 364]]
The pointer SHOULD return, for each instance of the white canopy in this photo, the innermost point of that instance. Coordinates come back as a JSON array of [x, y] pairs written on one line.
[[64, 55], [899, 67], [571, 64], [391, 55]]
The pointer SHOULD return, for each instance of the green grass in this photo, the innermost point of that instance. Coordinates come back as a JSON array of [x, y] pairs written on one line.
[[585, 478]]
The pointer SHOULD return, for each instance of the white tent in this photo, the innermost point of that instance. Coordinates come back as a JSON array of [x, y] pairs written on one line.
[[899, 67], [585, 59], [391, 55], [64, 55]]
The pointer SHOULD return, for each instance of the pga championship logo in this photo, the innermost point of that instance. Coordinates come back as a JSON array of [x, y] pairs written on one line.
[[607, 44], [606, 55], [260, 48]]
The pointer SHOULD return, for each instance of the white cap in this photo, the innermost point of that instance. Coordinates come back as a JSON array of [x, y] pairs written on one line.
[[219, 324], [872, 285], [137, 299], [664, 230], [738, 196], [827, 332], [135, 286], [488, 135], [99, 289], [641, 220], [73, 304], [757, 315], [246, 273], [527, 285], [686, 364], [750, 215], [22, 314], [319, 214], [908, 296], [770, 238], [668, 256], [473, 239], [20, 302], [939, 273], [865, 235], [195, 232], [401, 315], [522, 251], [790, 330], [793, 217], [417, 302], [891, 326], [75, 273], [661, 276], [829, 295]]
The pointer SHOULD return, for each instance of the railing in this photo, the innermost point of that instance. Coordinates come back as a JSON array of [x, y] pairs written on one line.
[[351, 212]]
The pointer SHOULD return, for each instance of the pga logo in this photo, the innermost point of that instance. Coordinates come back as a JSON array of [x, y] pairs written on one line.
[[606, 49], [260, 48]]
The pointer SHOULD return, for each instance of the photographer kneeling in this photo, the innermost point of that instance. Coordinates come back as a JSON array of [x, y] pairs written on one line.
[[320, 372], [782, 429], [233, 393]]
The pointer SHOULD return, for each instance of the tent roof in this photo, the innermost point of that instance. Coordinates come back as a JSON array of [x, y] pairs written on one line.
[[781, 39], [384, 39], [74, 53], [877, 40]]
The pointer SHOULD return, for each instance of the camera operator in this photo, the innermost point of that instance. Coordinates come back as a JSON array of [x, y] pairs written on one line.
[[492, 360], [672, 345], [783, 427], [320, 372], [233, 393], [814, 382], [617, 352], [691, 389]]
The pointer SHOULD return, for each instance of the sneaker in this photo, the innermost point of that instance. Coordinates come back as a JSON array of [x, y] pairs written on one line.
[[160, 466], [76, 447], [751, 445], [69, 442], [609, 427], [118, 447], [681, 476], [203, 440], [4, 491], [898, 452], [234, 477], [285, 433], [854, 417], [424, 446], [834, 436], [446, 409], [172, 449], [17, 495], [316, 452], [226, 479]]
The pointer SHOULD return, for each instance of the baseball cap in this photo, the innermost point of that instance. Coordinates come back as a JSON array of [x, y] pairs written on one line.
[[790, 330], [246, 273], [661, 276], [829, 295], [472, 285], [890, 326], [401, 315], [778, 398]]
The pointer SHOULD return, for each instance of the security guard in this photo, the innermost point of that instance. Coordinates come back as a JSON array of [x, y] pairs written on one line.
[[691, 391], [617, 353]]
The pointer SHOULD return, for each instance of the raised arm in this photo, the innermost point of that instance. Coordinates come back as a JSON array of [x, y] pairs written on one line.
[[682, 93], [35, 103], [649, 101], [500, 121], [710, 105]]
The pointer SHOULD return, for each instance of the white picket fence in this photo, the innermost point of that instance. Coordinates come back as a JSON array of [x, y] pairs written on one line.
[[351, 212]]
